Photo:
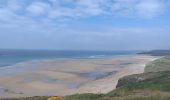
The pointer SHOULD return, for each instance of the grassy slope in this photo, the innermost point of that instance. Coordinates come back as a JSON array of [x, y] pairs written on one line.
[[162, 64], [152, 81]]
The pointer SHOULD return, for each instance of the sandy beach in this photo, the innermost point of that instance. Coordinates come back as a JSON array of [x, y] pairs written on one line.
[[65, 77]]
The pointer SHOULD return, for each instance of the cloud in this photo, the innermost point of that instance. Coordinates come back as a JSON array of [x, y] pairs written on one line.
[[123, 8], [150, 8], [38, 8], [52, 12], [86, 8], [138, 8], [46, 23]]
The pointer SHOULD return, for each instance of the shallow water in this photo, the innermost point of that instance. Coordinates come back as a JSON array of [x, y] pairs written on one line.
[[94, 75], [10, 57]]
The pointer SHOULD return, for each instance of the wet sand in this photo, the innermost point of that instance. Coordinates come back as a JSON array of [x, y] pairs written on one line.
[[65, 77]]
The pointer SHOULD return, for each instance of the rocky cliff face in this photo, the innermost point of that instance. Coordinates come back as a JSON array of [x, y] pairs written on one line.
[[129, 80], [136, 78]]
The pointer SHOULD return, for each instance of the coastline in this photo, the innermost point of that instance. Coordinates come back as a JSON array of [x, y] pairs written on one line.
[[68, 77]]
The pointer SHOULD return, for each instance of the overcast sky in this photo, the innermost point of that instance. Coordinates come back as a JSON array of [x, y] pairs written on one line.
[[85, 24]]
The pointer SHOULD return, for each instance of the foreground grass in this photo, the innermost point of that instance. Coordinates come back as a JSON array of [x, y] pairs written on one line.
[[139, 95], [136, 96]]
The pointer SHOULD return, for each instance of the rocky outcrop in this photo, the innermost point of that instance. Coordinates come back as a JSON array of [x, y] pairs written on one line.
[[129, 80], [136, 78]]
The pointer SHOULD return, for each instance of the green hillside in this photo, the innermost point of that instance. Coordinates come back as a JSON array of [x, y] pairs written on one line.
[[162, 64]]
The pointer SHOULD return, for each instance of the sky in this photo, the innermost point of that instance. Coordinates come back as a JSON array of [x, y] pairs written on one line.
[[85, 24]]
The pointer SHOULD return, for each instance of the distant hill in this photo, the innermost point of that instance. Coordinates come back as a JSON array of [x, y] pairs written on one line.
[[157, 52]]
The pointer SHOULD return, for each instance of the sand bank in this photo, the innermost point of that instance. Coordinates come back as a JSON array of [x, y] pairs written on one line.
[[65, 77]]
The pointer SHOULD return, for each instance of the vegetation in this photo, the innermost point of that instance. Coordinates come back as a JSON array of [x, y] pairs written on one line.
[[162, 64]]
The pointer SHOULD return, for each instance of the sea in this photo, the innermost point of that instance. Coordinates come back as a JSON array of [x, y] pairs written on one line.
[[10, 57]]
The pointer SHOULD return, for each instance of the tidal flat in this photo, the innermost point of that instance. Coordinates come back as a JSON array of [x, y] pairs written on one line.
[[70, 76]]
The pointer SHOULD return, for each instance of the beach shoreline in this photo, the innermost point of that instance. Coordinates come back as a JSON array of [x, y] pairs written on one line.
[[66, 77]]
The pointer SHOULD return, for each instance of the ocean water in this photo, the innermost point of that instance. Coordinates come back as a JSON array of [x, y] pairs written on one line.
[[10, 57]]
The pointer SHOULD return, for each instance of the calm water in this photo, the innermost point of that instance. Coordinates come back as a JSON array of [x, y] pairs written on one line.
[[9, 57]]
